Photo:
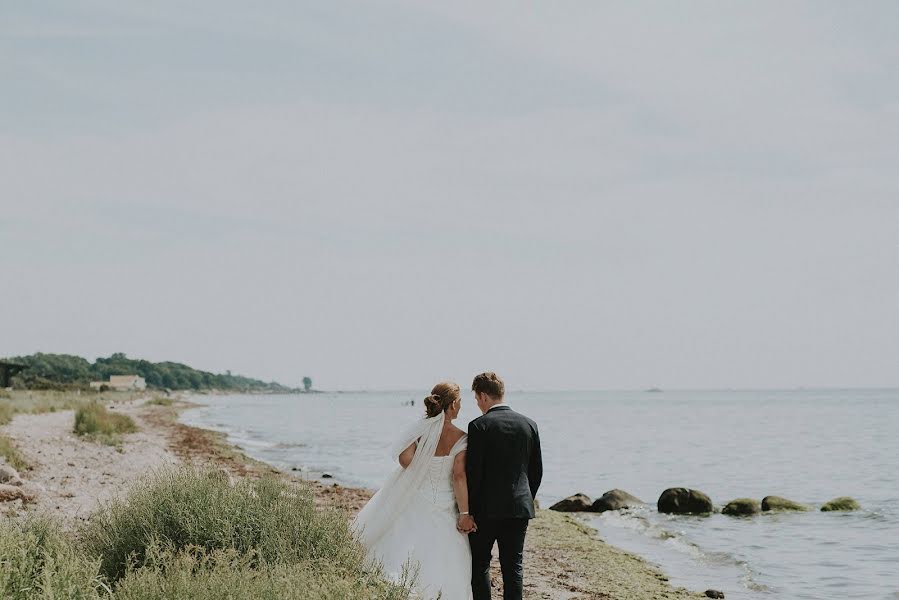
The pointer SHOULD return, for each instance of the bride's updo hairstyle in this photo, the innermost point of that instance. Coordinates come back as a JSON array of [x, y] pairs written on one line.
[[442, 396]]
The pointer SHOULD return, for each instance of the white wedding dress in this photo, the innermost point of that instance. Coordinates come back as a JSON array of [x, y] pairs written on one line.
[[409, 526]]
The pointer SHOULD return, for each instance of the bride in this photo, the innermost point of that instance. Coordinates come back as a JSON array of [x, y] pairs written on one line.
[[419, 518]]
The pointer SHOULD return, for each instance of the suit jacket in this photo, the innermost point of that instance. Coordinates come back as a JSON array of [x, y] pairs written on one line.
[[503, 465]]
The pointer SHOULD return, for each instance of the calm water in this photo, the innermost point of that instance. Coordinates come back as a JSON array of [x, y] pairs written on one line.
[[809, 446]]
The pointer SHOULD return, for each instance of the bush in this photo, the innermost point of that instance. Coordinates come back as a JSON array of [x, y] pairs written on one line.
[[95, 421], [37, 561], [273, 522], [201, 575]]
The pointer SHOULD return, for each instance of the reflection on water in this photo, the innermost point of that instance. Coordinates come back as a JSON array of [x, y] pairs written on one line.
[[809, 446]]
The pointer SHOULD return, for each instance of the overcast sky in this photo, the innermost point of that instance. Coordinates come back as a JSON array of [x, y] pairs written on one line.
[[578, 195]]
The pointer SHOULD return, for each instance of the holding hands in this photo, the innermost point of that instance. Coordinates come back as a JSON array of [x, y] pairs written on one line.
[[465, 524]]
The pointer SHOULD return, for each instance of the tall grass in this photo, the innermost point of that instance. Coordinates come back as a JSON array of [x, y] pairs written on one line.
[[202, 575], [40, 401], [38, 561], [191, 534], [6, 411], [275, 520], [11, 454], [95, 421], [268, 530]]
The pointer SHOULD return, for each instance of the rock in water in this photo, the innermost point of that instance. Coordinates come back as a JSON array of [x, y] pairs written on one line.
[[778, 503], [714, 594], [742, 507], [576, 503], [615, 500], [841, 503], [684, 501]]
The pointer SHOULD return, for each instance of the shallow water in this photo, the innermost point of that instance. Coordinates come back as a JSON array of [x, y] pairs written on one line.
[[809, 446]]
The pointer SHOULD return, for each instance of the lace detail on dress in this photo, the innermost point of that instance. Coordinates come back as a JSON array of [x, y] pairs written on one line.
[[437, 488]]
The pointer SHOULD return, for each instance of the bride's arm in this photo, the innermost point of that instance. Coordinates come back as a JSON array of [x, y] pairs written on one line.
[[407, 454], [460, 482]]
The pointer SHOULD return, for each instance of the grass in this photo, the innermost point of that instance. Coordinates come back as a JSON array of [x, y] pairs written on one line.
[[160, 401], [38, 561], [6, 411], [275, 520], [11, 454], [95, 421], [192, 534], [202, 575], [43, 401], [36, 402]]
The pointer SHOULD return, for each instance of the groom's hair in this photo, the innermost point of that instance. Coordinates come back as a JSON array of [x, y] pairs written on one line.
[[489, 383]]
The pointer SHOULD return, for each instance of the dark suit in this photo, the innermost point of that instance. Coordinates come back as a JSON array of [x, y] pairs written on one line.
[[504, 469]]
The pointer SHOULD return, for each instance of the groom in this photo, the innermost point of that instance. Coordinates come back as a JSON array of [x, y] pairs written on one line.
[[504, 469]]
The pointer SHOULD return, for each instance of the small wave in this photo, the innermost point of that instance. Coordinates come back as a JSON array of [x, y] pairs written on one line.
[[639, 520], [288, 445], [250, 442]]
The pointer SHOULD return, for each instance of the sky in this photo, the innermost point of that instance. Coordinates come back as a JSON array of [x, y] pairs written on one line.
[[385, 194]]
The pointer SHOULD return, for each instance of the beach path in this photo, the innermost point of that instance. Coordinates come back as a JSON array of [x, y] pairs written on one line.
[[70, 475]]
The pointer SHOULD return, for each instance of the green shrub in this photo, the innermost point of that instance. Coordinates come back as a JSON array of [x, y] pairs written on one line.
[[37, 561], [272, 520], [96, 421], [202, 575]]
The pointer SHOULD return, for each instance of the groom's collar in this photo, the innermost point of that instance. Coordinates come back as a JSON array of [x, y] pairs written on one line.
[[501, 405]]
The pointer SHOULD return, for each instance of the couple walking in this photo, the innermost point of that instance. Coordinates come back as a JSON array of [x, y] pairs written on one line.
[[455, 495]]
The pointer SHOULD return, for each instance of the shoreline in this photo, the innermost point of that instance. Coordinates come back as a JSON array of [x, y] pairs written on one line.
[[565, 558]]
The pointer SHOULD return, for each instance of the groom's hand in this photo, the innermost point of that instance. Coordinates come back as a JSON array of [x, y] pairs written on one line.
[[466, 524]]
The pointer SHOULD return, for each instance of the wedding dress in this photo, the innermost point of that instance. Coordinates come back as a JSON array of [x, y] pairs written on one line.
[[409, 526]]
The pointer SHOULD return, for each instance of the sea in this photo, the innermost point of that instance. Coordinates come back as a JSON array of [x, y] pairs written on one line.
[[806, 445]]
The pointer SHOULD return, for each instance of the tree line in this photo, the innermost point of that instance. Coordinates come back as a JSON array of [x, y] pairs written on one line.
[[65, 371]]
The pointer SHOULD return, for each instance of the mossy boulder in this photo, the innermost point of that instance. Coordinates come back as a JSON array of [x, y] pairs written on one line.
[[684, 501], [576, 503], [770, 503], [742, 507], [841, 503], [616, 500]]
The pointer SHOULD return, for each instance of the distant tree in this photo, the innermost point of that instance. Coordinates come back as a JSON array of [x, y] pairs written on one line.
[[307, 383]]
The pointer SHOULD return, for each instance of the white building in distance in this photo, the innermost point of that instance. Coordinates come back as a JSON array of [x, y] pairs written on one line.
[[121, 383]]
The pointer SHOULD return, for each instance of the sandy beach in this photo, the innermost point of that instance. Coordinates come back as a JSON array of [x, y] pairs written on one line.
[[70, 475]]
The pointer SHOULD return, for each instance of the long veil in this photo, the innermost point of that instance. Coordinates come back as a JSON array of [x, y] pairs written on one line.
[[375, 519]]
